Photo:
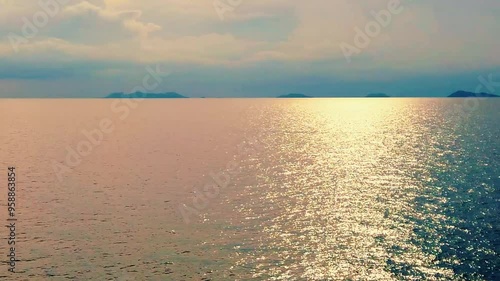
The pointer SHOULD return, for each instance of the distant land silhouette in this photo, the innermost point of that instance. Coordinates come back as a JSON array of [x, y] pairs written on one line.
[[174, 95], [464, 94], [168, 95], [378, 95], [294, 95], [297, 95]]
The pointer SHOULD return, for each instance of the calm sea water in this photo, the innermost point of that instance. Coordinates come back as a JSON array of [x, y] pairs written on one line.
[[253, 189]]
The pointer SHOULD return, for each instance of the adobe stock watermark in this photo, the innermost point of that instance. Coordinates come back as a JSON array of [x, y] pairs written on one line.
[[487, 83], [94, 137], [363, 37], [39, 20], [219, 181], [472, 103], [224, 6]]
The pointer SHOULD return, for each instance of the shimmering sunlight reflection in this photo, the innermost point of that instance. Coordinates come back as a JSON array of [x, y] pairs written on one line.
[[337, 188]]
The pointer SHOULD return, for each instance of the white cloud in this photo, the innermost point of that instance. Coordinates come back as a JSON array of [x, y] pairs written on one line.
[[142, 31], [130, 19]]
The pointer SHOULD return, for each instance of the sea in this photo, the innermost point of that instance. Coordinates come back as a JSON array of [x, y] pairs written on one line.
[[250, 189]]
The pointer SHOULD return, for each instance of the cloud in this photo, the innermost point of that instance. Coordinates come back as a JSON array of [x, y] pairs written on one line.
[[176, 30], [111, 38], [129, 19]]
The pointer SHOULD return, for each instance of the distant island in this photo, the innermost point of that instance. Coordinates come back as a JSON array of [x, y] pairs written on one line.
[[378, 95], [294, 95], [464, 94], [174, 95], [169, 95]]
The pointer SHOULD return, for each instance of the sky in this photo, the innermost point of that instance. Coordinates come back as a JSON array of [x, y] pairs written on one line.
[[248, 48]]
